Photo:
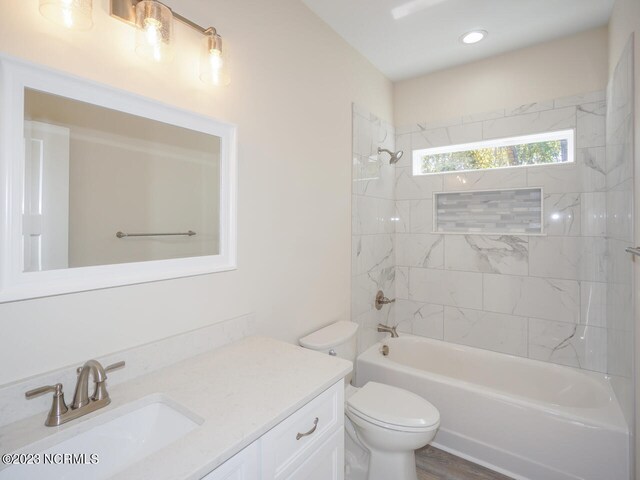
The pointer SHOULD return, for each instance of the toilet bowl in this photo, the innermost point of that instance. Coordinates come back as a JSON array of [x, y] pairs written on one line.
[[391, 423], [385, 424]]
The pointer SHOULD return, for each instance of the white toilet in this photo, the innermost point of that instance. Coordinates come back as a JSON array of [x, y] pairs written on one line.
[[389, 423]]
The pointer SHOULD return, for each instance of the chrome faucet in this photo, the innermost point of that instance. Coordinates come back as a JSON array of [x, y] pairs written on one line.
[[82, 404], [388, 329], [81, 396]]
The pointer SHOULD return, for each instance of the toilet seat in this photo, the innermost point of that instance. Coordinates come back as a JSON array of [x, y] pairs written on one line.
[[392, 408]]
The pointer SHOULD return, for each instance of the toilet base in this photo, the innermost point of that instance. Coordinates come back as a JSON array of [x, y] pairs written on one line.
[[356, 455], [366, 463], [392, 465]]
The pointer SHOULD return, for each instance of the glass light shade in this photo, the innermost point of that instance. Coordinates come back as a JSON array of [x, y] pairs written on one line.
[[214, 64], [154, 22], [74, 14]]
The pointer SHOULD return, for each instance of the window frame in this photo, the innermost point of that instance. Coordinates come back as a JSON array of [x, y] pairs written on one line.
[[567, 134]]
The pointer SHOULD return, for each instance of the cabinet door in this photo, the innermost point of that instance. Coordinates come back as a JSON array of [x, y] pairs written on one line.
[[242, 466], [326, 463], [298, 438]]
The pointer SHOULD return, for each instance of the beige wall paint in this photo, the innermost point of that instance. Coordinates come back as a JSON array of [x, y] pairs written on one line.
[[625, 20], [114, 187], [293, 83], [568, 66], [136, 175]]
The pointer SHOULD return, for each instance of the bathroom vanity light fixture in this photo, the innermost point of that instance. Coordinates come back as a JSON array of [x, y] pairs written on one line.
[[154, 23], [213, 64], [154, 37], [474, 36], [73, 14]]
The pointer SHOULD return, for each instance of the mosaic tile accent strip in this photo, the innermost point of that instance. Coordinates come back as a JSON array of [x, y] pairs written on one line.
[[514, 211]]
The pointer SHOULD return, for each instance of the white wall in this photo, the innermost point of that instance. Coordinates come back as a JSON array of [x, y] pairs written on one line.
[[569, 66], [625, 20], [293, 83]]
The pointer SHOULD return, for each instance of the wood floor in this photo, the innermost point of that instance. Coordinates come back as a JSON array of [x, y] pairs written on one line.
[[434, 464]]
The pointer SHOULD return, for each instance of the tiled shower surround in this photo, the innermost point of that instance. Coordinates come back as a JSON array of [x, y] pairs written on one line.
[[542, 297], [373, 226], [619, 229]]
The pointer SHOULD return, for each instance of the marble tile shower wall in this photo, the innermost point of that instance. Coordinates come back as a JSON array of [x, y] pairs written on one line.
[[373, 227], [619, 224], [542, 297]]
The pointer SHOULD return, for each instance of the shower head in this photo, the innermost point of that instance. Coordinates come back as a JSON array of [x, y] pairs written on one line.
[[394, 156]]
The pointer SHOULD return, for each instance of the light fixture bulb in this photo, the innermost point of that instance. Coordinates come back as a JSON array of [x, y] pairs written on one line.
[[152, 32], [72, 14], [216, 60], [214, 64], [155, 31], [474, 36]]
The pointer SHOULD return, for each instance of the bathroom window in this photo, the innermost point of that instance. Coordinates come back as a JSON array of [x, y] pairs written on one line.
[[539, 149]]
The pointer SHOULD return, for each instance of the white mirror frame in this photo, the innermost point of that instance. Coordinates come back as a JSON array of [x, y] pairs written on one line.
[[15, 284]]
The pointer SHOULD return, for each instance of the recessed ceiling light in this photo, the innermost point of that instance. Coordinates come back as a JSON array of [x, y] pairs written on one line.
[[473, 37]]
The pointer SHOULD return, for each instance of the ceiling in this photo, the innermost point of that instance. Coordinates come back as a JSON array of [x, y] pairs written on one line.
[[425, 35]]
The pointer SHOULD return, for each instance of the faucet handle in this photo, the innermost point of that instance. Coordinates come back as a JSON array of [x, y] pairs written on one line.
[[36, 392], [381, 300], [58, 405], [115, 366], [100, 393], [110, 368]]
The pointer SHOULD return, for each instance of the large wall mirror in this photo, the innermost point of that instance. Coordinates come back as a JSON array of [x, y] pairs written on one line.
[[105, 188]]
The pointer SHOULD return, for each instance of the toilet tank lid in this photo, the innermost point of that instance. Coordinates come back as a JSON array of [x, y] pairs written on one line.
[[330, 336]]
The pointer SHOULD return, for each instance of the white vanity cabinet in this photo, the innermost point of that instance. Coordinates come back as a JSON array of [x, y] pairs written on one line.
[[290, 449], [242, 466], [308, 445]]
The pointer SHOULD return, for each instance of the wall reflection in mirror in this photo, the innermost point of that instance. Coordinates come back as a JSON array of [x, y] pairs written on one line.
[[91, 172]]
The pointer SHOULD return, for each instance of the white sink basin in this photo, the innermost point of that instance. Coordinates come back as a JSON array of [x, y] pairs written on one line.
[[118, 443]]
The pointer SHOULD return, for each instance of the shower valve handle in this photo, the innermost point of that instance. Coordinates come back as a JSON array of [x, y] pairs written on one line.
[[382, 300]]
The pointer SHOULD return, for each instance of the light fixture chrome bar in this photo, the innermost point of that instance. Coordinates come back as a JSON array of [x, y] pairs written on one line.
[[634, 251], [190, 233], [125, 10], [193, 25]]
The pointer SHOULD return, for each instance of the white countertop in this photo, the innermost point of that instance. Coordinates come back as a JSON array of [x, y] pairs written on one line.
[[239, 391]]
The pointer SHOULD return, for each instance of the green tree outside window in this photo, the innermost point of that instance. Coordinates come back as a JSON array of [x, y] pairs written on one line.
[[546, 152]]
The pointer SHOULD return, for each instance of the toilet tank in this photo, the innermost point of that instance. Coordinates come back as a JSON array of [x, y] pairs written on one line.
[[337, 339]]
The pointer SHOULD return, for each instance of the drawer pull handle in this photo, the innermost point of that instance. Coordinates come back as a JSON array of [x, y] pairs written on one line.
[[315, 425]]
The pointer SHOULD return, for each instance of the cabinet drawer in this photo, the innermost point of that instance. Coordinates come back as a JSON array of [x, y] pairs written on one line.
[[297, 437]]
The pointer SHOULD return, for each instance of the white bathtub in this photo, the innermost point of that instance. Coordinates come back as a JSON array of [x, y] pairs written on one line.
[[524, 418]]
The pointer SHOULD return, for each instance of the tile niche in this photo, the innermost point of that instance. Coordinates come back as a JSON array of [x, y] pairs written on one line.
[[511, 211]]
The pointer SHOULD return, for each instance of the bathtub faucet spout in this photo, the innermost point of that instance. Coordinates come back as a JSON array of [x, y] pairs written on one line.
[[387, 329]]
